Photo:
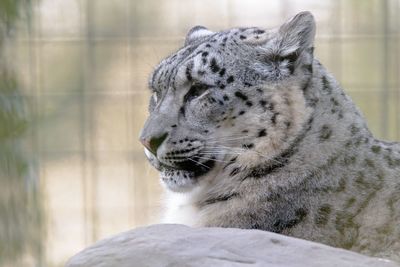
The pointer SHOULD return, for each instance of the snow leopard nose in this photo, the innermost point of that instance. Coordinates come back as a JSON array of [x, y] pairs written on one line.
[[152, 143]]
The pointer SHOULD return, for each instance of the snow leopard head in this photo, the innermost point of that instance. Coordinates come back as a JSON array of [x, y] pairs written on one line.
[[230, 96]]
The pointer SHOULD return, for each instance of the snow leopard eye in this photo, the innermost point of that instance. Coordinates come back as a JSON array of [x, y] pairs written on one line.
[[153, 101], [196, 90], [155, 97]]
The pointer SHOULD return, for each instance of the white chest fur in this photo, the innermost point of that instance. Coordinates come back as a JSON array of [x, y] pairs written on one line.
[[179, 209]]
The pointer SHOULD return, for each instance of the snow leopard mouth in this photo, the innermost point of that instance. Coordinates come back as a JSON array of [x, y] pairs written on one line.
[[181, 173], [191, 168], [185, 176]]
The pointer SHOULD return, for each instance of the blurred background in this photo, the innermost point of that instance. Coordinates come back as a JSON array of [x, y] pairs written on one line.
[[73, 97]]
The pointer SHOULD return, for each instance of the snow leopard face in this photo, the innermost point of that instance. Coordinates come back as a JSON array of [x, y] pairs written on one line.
[[227, 97]]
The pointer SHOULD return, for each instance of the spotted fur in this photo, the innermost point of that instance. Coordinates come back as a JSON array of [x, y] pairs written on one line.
[[249, 130]]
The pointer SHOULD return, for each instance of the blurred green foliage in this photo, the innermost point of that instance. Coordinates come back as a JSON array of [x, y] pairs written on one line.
[[12, 108], [20, 213], [9, 10]]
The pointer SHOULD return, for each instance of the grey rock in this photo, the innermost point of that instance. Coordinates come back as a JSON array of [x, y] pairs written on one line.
[[179, 245]]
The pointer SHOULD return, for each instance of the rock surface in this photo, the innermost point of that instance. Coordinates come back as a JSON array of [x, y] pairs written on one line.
[[179, 245]]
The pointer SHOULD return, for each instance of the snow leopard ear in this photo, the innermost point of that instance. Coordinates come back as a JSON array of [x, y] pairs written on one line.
[[196, 33], [295, 35]]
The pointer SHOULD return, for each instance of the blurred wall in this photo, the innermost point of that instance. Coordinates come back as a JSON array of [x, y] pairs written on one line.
[[82, 67]]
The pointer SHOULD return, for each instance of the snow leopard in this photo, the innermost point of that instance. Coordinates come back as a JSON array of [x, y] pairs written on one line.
[[249, 130]]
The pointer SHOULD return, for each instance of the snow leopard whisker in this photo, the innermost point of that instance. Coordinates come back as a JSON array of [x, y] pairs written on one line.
[[209, 158], [239, 151], [223, 152], [226, 139], [199, 163]]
